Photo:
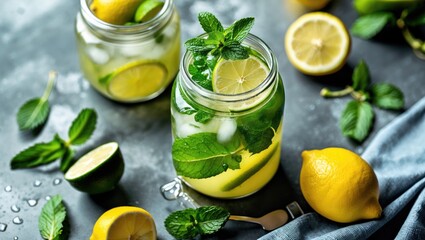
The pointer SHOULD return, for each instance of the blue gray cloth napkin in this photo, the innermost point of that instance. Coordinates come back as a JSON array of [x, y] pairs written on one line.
[[397, 155]]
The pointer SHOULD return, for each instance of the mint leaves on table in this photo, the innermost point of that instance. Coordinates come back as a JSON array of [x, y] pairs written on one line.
[[50, 222], [219, 42], [357, 117], [44, 153], [213, 159], [34, 112], [189, 223], [368, 26]]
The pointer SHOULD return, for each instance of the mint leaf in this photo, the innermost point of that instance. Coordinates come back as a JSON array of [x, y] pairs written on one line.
[[356, 120], [234, 52], [214, 38], [203, 117], [416, 20], [360, 77], [215, 158], [82, 127], [257, 141], [188, 223], [198, 45], [34, 112], [370, 25], [50, 222], [241, 28], [209, 22], [39, 154], [67, 159], [387, 96]]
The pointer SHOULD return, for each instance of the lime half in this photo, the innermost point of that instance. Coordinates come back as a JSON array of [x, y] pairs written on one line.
[[137, 80], [98, 171], [148, 10], [239, 76]]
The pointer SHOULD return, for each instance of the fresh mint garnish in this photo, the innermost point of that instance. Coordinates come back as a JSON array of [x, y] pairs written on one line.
[[357, 117], [34, 112], [219, 42], [189, 223], [214, 158], [369, 25], [44, 153], [203, 117], [50, 222]]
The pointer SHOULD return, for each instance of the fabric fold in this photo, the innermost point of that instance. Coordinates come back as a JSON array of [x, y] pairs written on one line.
[[397, 155]]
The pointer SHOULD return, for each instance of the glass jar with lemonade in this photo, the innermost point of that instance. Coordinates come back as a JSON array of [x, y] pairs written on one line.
[[227, 109], [129, 50]]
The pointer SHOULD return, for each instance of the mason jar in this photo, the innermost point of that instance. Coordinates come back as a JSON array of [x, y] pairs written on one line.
[[129, 63], [227, 146]]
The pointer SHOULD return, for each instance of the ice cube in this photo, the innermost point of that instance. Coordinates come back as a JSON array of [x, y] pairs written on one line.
[[227, 130], [98, 55]]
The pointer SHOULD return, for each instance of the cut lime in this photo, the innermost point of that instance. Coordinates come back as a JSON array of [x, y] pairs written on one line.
[[97, 171], [137, 80], [239, 76], [148, 10]]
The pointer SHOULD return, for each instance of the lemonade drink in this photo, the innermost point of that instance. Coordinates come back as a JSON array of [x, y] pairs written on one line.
[[129, 63], [228, 145]]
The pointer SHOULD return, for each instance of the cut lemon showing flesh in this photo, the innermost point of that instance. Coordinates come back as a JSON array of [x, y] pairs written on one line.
[[317, 43], [124, 223], [98, 171], [233, 77], [137, 80], [148, 10]]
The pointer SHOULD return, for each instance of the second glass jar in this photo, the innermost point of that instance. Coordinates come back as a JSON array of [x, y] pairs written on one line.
[[129, 63]]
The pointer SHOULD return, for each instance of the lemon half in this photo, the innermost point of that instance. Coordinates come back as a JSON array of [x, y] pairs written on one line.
[[317, 43], [124, 223]]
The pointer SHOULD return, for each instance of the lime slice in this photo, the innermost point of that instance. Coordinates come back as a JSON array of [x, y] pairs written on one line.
[[137, 80], [148, 10], [97, 171], [234, 77]]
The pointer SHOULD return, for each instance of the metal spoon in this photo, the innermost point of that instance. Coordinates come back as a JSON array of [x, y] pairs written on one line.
[[272, 220]]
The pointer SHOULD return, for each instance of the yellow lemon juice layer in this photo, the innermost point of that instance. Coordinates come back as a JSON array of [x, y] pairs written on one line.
[[255, 171]]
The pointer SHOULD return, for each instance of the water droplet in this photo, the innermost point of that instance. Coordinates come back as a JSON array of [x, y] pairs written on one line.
[[48, 198], [15, 238], [15, 208], [32, 202], [3, 227], [37, 183], [8, 188], [225, 166], [17, 220], [57, 181]]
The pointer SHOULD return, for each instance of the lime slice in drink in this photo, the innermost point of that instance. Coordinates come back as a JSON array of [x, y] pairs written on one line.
[[148, 10], [98, 171], [137, 80], [239, 76]]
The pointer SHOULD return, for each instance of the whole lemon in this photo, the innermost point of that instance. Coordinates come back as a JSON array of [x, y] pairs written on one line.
[[114, 11], [339, 185], [314, 4]]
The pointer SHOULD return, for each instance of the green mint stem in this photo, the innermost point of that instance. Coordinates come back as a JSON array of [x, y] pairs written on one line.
[[415, 43], [325, 92], [52, 78]]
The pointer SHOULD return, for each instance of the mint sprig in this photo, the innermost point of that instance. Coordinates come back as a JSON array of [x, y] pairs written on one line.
[[44, 153], [189, 223], [34, 112], [357, 118], [50, 222], [369, 25], [219, 42]]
